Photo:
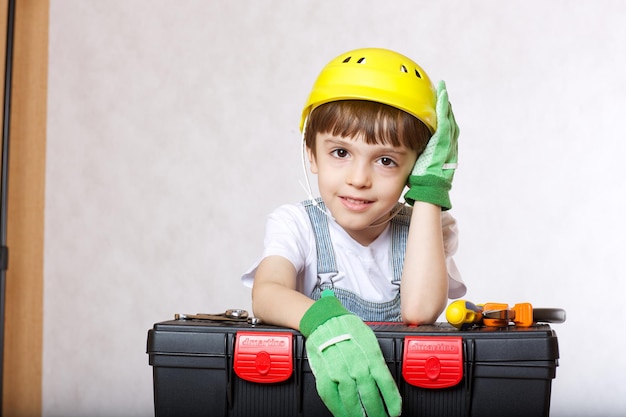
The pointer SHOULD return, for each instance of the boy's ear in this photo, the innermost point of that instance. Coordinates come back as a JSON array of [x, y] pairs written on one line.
[[312, 160]]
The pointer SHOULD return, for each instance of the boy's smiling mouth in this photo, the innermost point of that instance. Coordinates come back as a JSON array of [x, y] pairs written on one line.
[[355, 203]]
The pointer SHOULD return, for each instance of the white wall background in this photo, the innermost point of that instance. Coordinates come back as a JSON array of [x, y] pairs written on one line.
[[172, 132]]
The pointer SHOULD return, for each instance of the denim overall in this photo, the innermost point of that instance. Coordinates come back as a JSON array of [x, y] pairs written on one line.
[[326, 264]]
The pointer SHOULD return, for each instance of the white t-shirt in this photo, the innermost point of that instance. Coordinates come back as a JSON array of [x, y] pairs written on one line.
[[364, 270]]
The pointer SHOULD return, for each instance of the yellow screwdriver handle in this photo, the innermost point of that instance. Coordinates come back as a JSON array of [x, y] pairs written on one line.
[[463, 314]]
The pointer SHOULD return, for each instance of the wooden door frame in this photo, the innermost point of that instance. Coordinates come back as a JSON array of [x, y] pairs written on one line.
[[23, 327]]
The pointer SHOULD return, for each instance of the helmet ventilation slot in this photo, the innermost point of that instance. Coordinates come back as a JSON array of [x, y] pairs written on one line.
[[362, 60]]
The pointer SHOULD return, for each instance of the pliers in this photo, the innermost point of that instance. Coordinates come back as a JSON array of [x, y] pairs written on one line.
[[230, 315]]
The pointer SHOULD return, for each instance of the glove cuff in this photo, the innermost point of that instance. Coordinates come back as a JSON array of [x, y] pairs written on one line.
[[430, 189], [324, 309]]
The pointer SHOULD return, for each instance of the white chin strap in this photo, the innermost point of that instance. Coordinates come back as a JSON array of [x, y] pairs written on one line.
[[307, 184]]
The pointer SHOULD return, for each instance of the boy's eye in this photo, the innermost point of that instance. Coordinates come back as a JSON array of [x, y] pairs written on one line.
[[340, 153], [388, 162]]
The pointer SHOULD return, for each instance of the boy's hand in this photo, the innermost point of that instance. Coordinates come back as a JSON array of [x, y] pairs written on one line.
[[351, 375], [432, 174]]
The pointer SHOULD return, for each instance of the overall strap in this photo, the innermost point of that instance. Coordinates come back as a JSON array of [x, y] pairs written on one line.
[[326, 263], [399, 234]]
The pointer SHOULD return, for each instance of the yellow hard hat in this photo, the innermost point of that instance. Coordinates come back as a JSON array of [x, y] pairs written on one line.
[[378, 75]]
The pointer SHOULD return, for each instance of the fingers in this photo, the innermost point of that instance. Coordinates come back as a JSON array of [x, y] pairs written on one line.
[[441, 86], [388, 391], [333, 383], [331, 394], [349, 397], [443, 106], [375, 384], [370, 397]]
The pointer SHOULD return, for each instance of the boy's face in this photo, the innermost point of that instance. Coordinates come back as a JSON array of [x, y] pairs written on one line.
[[360, 183]]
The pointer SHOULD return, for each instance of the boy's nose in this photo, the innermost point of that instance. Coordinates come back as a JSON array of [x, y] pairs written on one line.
[[359, 176]]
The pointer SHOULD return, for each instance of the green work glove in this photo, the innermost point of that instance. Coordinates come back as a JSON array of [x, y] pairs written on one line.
[[351, 375], [431, 178]]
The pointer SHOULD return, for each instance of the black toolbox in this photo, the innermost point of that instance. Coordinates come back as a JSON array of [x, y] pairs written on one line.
[[205, 368]]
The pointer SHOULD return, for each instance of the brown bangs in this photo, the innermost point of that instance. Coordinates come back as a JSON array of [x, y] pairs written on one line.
[[377, 123]]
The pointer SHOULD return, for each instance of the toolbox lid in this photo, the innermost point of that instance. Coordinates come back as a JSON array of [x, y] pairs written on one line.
[[194, 341]]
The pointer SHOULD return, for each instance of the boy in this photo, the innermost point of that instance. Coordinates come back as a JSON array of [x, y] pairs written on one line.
[[332, 263]]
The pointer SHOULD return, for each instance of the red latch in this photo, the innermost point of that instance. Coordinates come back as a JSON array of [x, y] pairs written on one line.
[[432, 362], [264, 357]]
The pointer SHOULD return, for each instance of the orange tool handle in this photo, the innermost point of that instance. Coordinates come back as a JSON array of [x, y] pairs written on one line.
[[520, 314], [523, 314]]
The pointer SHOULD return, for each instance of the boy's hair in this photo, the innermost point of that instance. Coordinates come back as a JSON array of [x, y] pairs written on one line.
[[377, 123]]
